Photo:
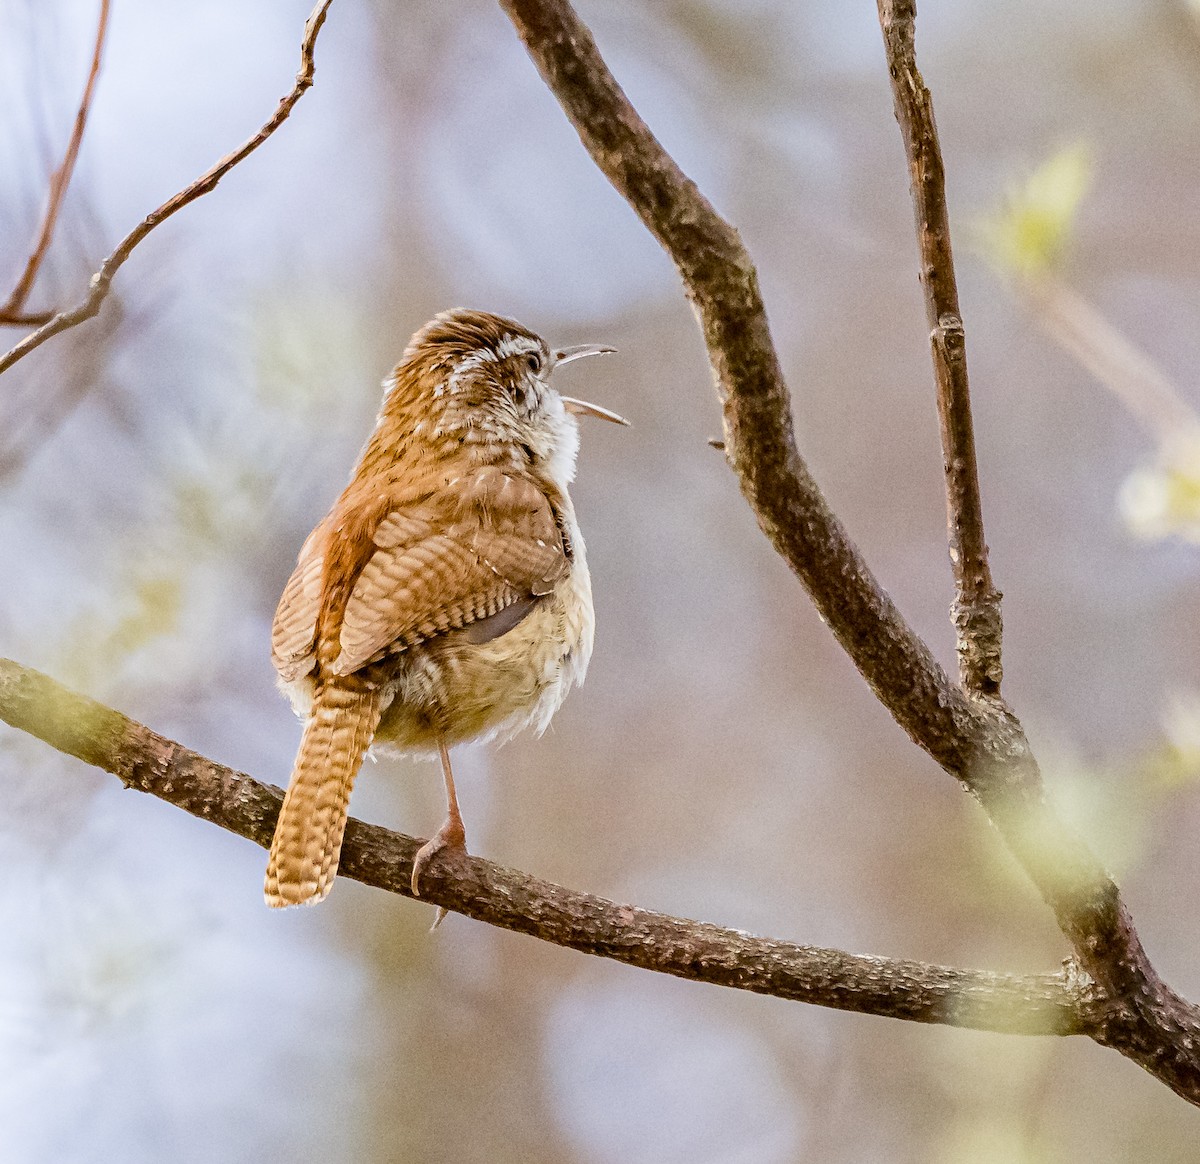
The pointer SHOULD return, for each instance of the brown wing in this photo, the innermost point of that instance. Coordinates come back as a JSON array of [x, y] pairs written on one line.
[[294, 631], [489, 543]]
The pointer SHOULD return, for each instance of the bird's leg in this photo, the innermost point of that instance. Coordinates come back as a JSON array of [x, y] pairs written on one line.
[[451, 835]]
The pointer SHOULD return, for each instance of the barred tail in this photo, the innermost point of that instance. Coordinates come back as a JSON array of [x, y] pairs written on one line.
[[308, 836]]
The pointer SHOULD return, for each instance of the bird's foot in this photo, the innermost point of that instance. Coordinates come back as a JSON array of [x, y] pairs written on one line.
[[452, 837]]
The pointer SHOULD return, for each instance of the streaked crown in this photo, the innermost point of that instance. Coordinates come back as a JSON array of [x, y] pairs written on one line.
[[476, 384]]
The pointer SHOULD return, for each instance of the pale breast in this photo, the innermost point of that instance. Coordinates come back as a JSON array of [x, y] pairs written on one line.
[[490, 690]]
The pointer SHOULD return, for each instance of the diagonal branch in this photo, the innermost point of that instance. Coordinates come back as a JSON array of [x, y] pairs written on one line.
[[1117, 999], [977, 603], [102, 279], [980, 742], [1049, 1004], [13, 310], [722, 284]]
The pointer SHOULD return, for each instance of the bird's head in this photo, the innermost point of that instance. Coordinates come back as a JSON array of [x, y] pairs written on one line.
[[476, 381]]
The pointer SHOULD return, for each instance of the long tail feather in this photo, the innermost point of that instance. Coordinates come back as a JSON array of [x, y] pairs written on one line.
[[308, 837]]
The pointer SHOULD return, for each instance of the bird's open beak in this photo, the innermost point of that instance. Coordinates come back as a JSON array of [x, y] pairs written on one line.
[[582, 407], [566, 355]]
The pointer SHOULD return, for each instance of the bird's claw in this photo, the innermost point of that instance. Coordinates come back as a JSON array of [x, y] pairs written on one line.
[[451, 836]]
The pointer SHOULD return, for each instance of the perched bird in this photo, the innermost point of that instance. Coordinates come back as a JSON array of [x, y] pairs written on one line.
[[445, 597]]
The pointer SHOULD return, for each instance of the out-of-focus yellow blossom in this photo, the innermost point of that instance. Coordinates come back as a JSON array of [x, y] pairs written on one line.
[[1162, 500], [1029, 233]]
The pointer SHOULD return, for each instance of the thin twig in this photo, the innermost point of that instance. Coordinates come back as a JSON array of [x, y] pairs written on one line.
[[979, 741], [103, 278], [977, 602], [13, 311], [1119, 999], [1048, 1004]]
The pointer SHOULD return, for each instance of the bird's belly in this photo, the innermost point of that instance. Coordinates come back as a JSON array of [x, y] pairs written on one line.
[[466, 691]]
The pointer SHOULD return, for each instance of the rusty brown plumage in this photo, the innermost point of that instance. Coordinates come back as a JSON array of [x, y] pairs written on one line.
[[445, 596], [308, 838]]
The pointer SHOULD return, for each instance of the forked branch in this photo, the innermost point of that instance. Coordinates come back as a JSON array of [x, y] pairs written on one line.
[[1111, 993], [102, 279], [721, 282], [979, 741]]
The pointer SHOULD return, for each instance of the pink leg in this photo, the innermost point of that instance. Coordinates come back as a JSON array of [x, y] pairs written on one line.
[[451, 835]]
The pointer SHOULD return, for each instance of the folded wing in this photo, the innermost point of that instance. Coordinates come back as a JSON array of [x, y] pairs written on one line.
[[490, 544]]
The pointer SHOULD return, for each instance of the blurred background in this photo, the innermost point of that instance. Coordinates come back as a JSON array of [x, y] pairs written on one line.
[[160, 467]]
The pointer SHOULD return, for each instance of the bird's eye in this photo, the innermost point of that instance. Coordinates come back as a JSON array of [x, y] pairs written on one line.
[[535, 362]]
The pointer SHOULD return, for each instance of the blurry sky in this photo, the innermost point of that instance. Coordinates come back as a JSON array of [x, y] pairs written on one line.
[[160, 467]]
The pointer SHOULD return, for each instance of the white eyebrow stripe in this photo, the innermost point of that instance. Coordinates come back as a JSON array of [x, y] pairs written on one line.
[[511, 345], [516, 345]]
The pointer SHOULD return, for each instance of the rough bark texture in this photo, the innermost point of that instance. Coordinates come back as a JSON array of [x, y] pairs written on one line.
[[977, 740], [1058, 1004], [722, 284], [1109, 991], [976, 608]]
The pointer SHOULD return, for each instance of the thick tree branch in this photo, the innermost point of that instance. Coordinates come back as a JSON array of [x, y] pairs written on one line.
[[977, 603], [978, 741], [1119, 1000], [102, 279], [1058, 1004], [13, 311], [722, 284]]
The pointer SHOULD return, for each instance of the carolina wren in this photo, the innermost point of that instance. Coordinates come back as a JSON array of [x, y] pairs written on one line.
[[445, 597]]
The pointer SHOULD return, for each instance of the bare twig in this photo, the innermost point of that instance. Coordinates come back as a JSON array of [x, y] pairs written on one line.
[[207, 182], [979, 741], [13, 311], [1113, 995], [1050, 1004], [977, 603]]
